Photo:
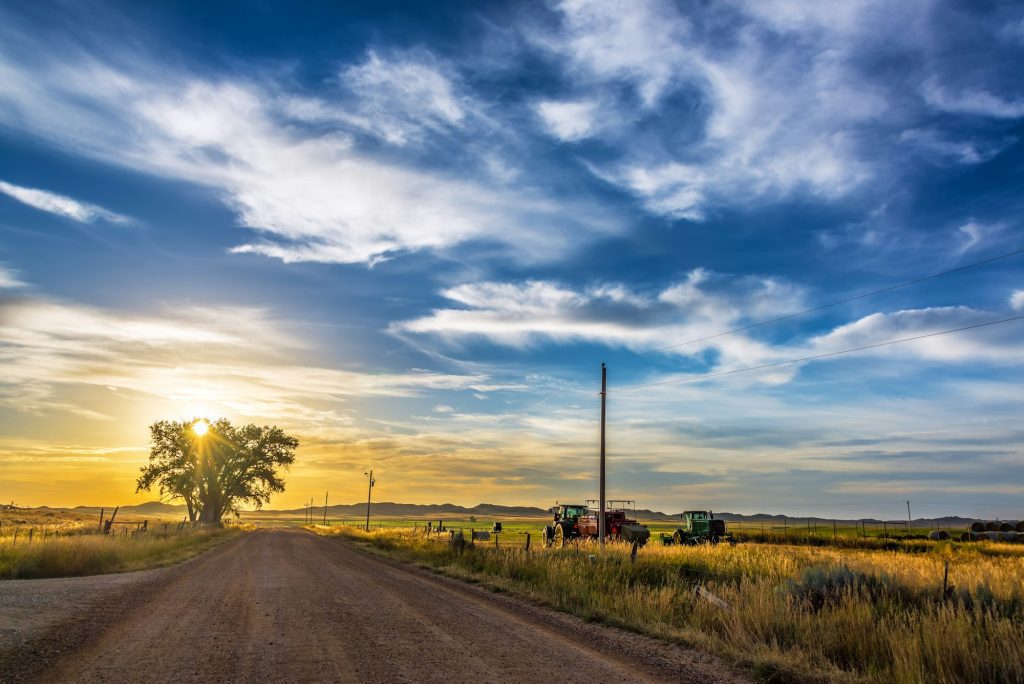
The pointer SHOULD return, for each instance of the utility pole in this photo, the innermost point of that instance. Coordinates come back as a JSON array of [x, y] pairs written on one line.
[[325, 508], [604, 393], [369, 491], [910, 522]]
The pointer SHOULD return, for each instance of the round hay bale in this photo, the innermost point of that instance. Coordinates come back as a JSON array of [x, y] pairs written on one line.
[[992, 536], [1008, 536], [977, 526], [938, 535], [991, 526], [1007, 527], [1020, 526], [965, 537]]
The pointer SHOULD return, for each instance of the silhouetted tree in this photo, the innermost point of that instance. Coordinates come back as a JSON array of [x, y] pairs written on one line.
[[216, 472]]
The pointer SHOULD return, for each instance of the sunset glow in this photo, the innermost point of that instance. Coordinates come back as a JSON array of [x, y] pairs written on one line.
[[410, 240]]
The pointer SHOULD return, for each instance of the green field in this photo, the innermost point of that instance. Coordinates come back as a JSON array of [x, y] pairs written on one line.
[[515, 529]]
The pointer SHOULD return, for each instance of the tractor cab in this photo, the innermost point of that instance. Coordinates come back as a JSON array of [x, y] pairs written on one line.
[[697, 522], [570, 512], [699, 527]]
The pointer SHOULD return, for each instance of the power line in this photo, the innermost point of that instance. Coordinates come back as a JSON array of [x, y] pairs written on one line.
[[816, 356], [829, 305]]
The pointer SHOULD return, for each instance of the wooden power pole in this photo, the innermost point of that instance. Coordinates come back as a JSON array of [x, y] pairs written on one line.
[[600, 520], [369, 491]]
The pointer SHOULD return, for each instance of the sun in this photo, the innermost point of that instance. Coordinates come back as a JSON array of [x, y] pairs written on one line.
[[200, 427]]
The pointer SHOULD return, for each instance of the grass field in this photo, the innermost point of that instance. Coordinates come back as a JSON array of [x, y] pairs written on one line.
[[36, 544], [794, 613], [514, 531]]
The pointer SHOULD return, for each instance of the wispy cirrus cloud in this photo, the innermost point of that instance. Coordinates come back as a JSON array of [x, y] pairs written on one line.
[[973, 101], [9, 278], [569, 121], [292, 165], [531, 313], [60, 205], [694, 311], [741, 102]]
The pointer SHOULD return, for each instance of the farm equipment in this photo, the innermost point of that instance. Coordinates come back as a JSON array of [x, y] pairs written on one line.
[[699, 527], [575, 521]]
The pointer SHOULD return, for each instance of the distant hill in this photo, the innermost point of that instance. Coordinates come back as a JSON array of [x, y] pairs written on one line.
[[488, 511], [387, 508], [148, 508]]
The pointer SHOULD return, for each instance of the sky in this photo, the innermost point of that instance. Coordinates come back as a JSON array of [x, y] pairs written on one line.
[[410, 233]]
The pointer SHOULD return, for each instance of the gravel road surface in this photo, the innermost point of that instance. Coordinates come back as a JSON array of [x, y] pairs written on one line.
[[287, 605]]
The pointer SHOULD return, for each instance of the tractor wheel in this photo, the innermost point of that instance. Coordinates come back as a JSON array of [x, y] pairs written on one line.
[[548, 535], [559, 536], [677, 537]]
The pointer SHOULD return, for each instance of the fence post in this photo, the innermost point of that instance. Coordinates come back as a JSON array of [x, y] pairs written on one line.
[[527, 542], [835, 540], [632, 553], [30, 531], [945, 582], [885, 530]]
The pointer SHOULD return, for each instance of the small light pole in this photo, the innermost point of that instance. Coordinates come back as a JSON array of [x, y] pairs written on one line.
[[369, 491]]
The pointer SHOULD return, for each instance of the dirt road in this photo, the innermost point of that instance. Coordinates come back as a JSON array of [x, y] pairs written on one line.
[[286, 605]]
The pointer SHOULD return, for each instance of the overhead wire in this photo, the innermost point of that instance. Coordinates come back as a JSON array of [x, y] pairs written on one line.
[[694, 378]]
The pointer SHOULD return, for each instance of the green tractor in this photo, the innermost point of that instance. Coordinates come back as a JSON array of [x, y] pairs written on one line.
[[699, 527]]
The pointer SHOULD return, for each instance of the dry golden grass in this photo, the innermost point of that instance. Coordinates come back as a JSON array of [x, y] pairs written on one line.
[[796, 613], [69, 555]]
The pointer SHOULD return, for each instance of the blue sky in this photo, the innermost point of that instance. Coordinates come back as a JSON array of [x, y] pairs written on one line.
[[410, 234]]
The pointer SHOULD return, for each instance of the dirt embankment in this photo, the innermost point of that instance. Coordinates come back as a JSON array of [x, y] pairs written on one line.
[[285, 605]]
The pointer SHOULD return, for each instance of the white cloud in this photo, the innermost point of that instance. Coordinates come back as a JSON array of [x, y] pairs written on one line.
[[942, 147], [696, 310], [59, 204], [972, 101], [532, 312], [781, 118], [645, 45], [309, 190], [974, 233], [996, 344], [1017, 300], [401, 96], [9, 278], [568, 121], [400, 100]]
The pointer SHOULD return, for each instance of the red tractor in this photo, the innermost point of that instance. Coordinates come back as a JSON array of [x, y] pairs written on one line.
[[573, 521]]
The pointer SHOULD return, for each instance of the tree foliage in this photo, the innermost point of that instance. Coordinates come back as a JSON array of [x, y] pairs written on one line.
[[218, 472]]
